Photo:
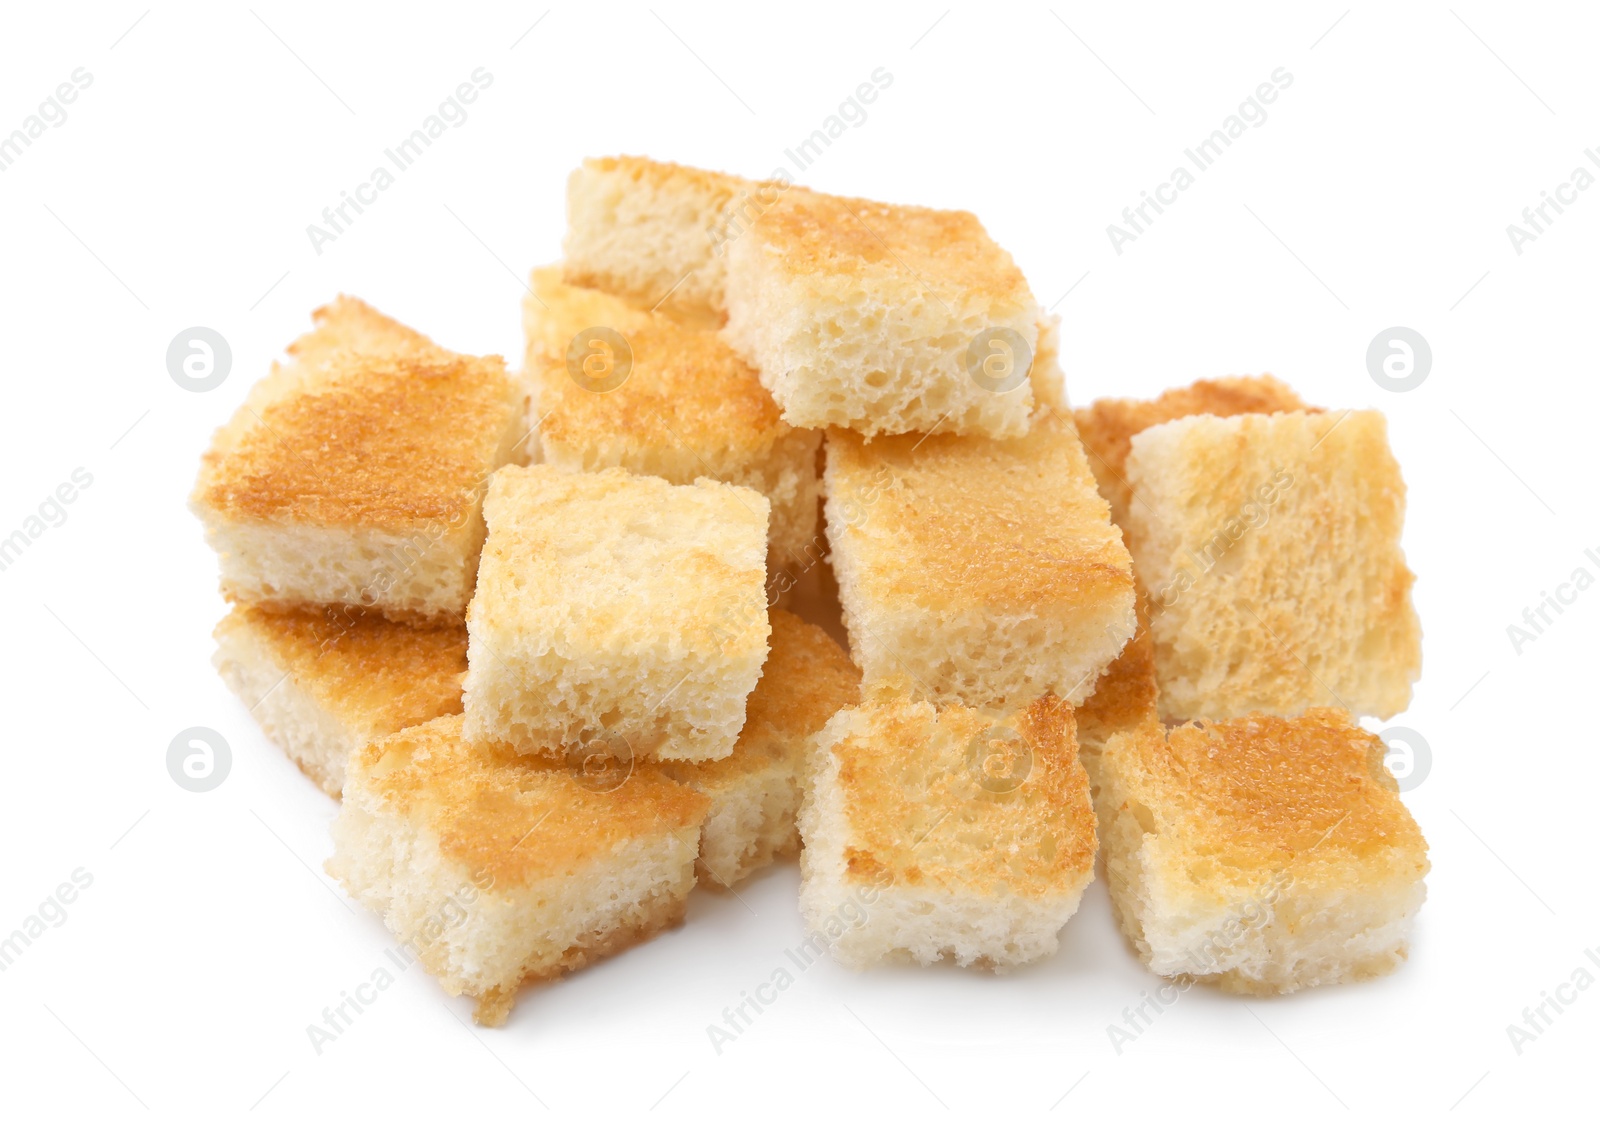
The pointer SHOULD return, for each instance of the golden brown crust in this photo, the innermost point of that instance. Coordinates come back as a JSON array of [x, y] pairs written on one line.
[[946, 521], [662, 173], [1260, 791], [687, 388], [518, 818], [398, 443], [926, 810], [375, 675], [947, 252], [1270, 546], [563, 555], [349, 323], [1109, 425]]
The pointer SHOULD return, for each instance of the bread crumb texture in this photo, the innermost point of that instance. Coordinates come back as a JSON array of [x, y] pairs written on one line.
[[1265, 852]]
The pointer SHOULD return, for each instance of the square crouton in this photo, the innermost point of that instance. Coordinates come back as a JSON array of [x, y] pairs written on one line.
[[617, 605], [1124, 697], [1109, 425], [354, 473], [495, 868], [619, 386], [987, 570], [1267, 854], [944, 832], [884, 319], [1270, 546], [655, 233], [755, 792], [324, 682]]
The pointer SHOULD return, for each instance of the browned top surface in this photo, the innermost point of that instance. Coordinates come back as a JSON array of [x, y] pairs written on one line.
[[608, 560], [375, 674], [925, 797], [686, 389], [1267, 789], [349, 323], [370, 424], [1108, 425], [945, 520], [520, 818], [661, 173], [947, 251]]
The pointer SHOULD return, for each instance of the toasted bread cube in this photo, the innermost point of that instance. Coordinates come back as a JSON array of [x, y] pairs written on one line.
[[755, 792], [987, 570], [1267, 854], [324, 682], [944, 832], [880, 318], [495, 868], [1123, 703], [1109, 425], [687, 406], [655, 233], [1270, 546], [1124, 697], [354, 473], [617, 605]]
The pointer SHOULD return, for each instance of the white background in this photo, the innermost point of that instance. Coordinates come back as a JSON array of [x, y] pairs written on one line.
[[1377, 193]]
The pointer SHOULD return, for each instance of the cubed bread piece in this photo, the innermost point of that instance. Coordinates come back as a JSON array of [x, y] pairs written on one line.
[[1124, 697], [618, 605], [686, 405], [1124, 702], [354, 473], [323, 682], [1270, 546], [1109, 425], [883, 319], [1045, 375], [1266, 853], [656, 233], [987, 570], [944, 832], [495, 868], [755, 792]]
